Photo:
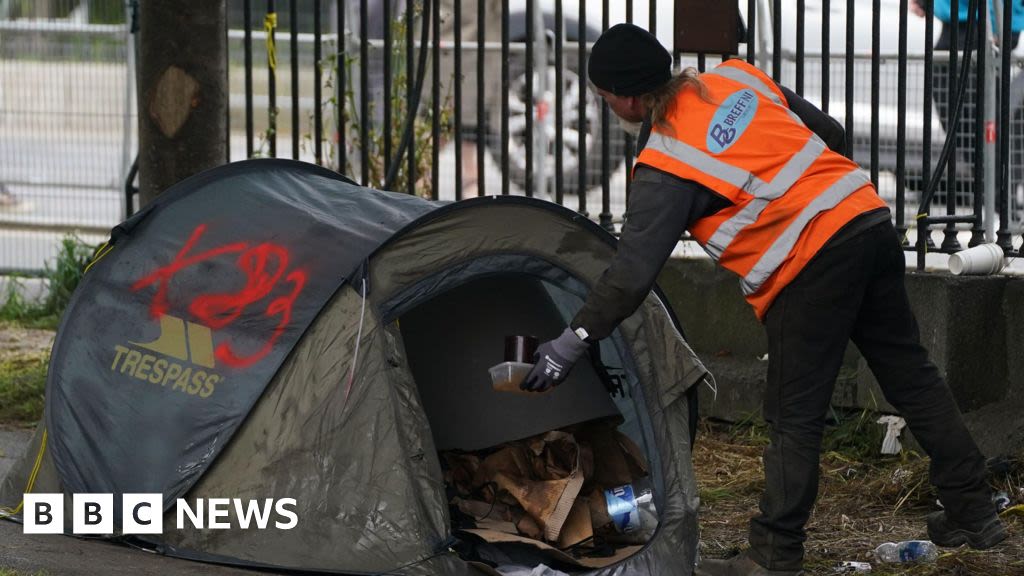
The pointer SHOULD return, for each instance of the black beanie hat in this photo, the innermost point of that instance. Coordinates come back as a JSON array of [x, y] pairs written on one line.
[[629, 61]]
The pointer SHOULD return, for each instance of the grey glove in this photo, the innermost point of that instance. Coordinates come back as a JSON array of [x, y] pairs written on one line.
[[553, 361]]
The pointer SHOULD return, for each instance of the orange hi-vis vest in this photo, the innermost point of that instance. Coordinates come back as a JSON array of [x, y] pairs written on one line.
[[789, 192]]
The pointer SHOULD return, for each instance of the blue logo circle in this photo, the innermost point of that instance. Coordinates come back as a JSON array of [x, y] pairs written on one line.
[[731, 120]]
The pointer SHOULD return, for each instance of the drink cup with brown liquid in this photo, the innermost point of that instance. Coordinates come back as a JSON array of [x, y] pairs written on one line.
[[519, 352]]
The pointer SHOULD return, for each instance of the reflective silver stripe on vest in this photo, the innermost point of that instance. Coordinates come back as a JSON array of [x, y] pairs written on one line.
[[779, 250], [748, 79], [744, 77], [704, 162], [783, 181]]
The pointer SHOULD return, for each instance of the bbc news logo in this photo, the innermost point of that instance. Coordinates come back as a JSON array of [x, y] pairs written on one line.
[[143, 514]]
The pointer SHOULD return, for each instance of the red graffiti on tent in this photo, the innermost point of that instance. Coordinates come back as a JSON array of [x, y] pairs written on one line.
[[264, 266]]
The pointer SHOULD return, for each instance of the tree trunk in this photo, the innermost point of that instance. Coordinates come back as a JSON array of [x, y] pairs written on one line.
[[182, 91]]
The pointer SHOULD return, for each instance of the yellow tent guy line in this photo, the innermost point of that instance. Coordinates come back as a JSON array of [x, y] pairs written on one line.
[[5, 512], [103, 251]]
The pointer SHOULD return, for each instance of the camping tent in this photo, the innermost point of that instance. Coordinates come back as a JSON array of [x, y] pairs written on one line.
[[269, 329]]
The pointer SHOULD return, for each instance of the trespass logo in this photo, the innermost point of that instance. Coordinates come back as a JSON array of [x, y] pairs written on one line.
[[184, 359], [730, 120]]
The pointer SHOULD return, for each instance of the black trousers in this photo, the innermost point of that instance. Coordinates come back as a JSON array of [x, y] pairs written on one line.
[[852, 291]]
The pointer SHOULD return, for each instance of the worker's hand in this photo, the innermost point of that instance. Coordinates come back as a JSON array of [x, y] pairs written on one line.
[[553, 361], [917, 8]]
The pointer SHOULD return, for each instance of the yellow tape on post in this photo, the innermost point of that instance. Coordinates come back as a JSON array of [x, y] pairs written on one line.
[[269, 25]]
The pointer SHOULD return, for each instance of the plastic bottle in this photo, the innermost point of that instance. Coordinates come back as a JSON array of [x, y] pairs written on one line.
[[632, 511], [907, 551], [1001, 500]]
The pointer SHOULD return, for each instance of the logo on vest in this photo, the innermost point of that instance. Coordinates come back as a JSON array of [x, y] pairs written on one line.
[[730, 120]]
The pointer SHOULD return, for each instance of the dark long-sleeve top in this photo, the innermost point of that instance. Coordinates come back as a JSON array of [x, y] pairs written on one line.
[[661, 207]]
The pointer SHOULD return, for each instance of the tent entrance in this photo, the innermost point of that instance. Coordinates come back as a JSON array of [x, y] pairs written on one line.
[[526, 474], [452, 340]]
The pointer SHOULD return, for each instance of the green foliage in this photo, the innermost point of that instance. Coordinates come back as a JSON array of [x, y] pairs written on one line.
[[751, 430], [851, 435], [64, 277], [22, 385], [61, 281], [856, 436], [106, 11], [348, 105], [16, 308]]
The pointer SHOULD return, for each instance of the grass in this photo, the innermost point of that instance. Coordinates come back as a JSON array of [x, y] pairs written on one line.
[[61, 281], [864, 499], [848, 434], [855, 435], [10, 572], [21, 312], [23, 371], [22, 386]]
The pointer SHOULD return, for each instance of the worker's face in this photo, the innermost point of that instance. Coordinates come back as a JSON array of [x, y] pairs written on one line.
[[628, 108]]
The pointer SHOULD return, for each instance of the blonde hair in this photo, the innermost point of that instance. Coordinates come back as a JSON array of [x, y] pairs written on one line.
[[659, 101]]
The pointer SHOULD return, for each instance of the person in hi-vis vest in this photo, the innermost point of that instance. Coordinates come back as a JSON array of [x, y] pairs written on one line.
[[758, 177]]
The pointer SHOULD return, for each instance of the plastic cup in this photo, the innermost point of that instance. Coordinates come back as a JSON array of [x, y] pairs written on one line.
[[980, 260], [507, 376]]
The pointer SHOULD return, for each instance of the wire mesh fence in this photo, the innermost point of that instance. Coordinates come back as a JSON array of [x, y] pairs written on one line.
[[66, 129]]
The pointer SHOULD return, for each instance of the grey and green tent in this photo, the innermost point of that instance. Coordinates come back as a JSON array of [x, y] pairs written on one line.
[[269, 329]]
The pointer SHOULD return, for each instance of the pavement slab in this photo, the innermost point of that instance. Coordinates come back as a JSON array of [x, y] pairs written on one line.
[[59, 555], [12, 445]]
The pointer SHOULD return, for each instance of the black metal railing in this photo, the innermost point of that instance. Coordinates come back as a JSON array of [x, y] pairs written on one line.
[[454, 98]]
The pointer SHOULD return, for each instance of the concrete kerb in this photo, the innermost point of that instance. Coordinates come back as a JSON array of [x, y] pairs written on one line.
[[998, 427], [972, 326]]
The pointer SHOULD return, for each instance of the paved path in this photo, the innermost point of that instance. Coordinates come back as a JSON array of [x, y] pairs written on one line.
[[57, 555], [12, 445]]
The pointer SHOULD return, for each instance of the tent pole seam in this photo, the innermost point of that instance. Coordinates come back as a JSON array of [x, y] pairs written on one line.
[[359, 337]]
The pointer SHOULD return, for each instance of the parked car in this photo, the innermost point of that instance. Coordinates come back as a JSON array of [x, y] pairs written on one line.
[[888, 112], [541, 103]]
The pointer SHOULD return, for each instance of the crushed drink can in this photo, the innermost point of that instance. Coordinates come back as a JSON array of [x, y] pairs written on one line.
[[853, 567]]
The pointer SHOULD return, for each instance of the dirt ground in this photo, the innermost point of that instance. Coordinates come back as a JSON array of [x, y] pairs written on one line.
[[860, 505], [57, 555], [15, 340]]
